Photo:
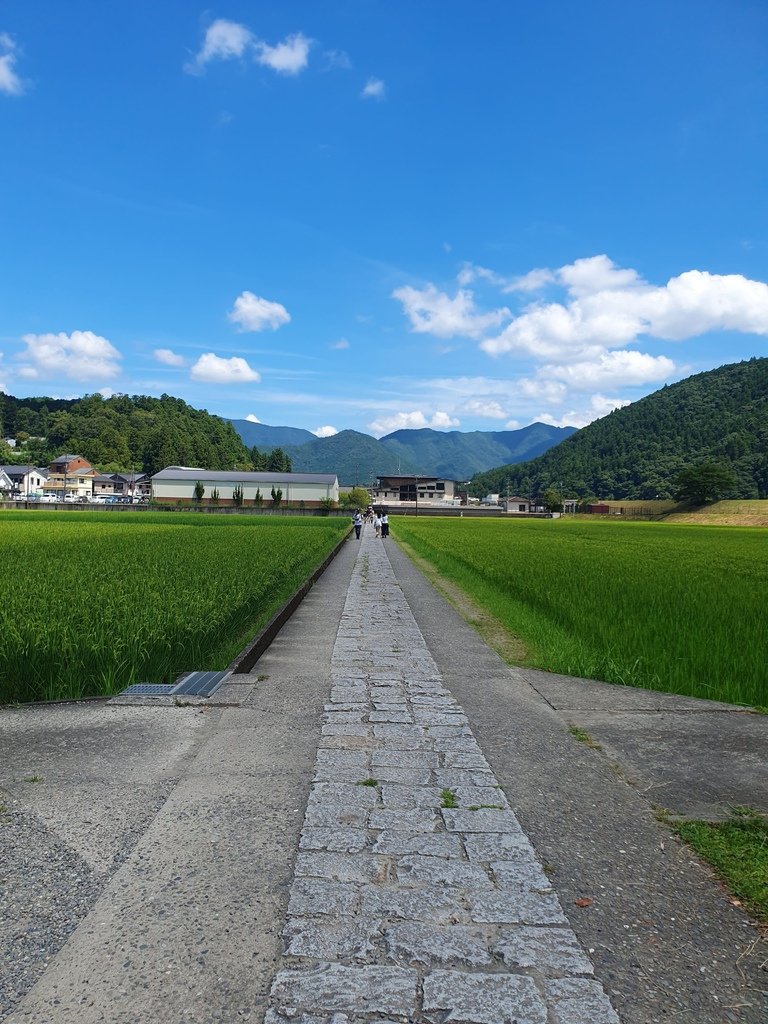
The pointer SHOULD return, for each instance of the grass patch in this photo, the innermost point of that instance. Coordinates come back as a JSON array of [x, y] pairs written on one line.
[[368, 782], [448, 799], [737, 849], [583, 737], [666, 607], [34, 778]]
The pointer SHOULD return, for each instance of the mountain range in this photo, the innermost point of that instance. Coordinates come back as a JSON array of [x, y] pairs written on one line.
[[358, 458]]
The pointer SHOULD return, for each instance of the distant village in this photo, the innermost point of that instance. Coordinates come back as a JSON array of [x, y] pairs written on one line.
[[71, 479]]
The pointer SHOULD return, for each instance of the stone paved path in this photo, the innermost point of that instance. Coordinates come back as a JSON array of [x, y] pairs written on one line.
[[416, 894]]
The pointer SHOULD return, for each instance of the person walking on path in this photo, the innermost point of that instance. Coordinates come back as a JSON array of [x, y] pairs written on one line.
[[384, 523], [357, 522], [377, 524]]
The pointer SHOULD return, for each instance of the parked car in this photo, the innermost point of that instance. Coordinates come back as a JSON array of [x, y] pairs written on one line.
[[49, 499]]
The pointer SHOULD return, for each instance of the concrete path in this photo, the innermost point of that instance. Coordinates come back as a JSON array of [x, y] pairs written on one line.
[[417, 896]]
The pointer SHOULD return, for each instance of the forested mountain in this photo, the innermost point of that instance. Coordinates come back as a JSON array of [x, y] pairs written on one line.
[[458, 455], [120, 432], [639, 451], [354, 457], [261, 435]]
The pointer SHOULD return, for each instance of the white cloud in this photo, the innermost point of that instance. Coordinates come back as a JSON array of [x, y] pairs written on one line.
[[223, 41], [412, 421], [10, 83], [611, 307], [215, 370], [530, 282], [227, 40], [252, 419], [342, 343], [286, 58], [336, 60], [252, 313], [81, 355], [167, 356], [433, 312], [327, 431], [107, 392], [483, 407], [374, 89], [619, 367], [598, 406], [512, 425]]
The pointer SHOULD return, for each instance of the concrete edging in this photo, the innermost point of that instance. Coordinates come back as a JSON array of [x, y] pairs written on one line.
[[251, 653]]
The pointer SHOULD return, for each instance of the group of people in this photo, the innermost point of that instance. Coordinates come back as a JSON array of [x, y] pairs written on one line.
[[378, 517]]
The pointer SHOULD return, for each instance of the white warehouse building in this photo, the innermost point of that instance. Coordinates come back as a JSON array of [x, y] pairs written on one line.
[[177, 483]]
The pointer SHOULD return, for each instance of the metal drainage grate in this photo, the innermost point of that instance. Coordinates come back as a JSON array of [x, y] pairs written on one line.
[[192, 684], [150, 689], [200, 684]]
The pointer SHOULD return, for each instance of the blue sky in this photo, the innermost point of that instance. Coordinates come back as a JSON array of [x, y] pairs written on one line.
[[375, 213]]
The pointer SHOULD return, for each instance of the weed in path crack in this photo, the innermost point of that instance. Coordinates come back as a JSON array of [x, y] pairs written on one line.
[[368, 782], [448, 799], [583, 737]]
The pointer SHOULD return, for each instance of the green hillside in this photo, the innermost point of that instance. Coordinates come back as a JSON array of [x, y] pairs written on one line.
[[120, 432], [354, 457], [264, 437], [638, 451]]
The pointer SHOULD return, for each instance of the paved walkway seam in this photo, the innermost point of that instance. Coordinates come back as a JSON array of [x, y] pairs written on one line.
[[416, 894]]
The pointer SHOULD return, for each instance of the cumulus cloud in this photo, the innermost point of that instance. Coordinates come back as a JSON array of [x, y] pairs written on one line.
[[610, 307], [252, 419], [374, 89], [599, 405], [326, 431], [342, 343], [215, 370], [10, 83], [622, 367], [168, 357], [223, 41], [227, 40], [287, 58], [337, 60], [252, 313], [81, 355], [413, 421], [530, 282], [431, 311]]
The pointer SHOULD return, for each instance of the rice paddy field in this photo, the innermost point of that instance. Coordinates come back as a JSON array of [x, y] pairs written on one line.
[[92, 603], [676, 608]]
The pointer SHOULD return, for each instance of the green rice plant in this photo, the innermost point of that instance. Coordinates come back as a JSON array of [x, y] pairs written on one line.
[[96, 603], [676, 608]]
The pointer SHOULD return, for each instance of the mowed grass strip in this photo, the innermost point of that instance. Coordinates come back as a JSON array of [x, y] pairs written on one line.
[[95, 603], [674, 608]]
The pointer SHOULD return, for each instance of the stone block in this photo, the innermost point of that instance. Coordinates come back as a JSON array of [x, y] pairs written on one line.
[[490, 846], [403, 798], [333, 987], [515, 906], [431, 906], [484, 820], [481, 998], [433, 944], [516, 874], [342, 867], [346, 940], [405, 758], [579, 1001], [427, 844], [313, 896], [334, 840], [419, 871], [420, 819], [549, 950], [342, 795], [402, 776]]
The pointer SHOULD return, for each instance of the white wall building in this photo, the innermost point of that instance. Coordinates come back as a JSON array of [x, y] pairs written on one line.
[[26, 480], [177, 483]]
